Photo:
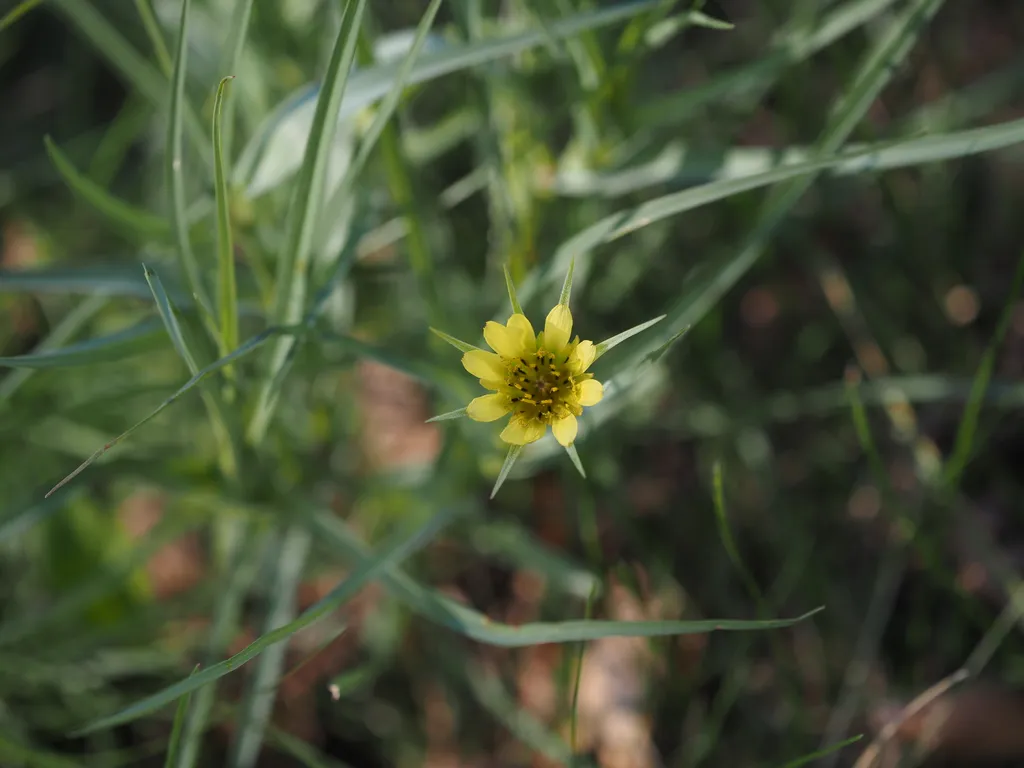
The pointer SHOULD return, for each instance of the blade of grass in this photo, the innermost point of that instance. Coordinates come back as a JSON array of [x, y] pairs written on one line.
[[134, 68], [174, 744], [815, 756], [396, 548], [263, 684], [227, 293], [17, 12], [134, 340], [156, 37], [239, 30], [112, 280], [370, 85], [293, 262], [385, 111], [252, 344], [69, 325], [506, 467], [887, 156], [963, 445], [127, 218], [878, 66], [442, 610], [245, 549], [175, 175]]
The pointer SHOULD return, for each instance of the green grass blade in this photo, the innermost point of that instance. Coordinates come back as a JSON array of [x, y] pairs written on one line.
[[262, 687], [460, 345], [156, 37], [252, 344], [714, 280], [293, 262], [17, 12], [372, 84], [614, 341], [174, 744], [903, 154], [963, 445], [815, 756], [511, 288], [385, 111], [240, 18], [99, 280], [439, 609], [127, 218], [69, 325], [227, 289], [246, 547], [119, 345], [170, 320], [175, 168], [506, 467], [457, 414], [133, 68], [396, 549]]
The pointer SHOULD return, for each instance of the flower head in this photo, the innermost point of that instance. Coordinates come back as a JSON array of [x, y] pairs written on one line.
[[540, 379]]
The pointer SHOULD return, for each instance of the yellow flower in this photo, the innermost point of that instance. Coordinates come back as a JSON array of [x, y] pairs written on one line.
[[540, 379]]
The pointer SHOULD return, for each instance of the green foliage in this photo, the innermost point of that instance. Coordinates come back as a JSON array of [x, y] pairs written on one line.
[[374, 172]]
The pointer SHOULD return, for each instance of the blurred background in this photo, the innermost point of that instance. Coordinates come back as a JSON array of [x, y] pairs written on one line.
[[822, 196]]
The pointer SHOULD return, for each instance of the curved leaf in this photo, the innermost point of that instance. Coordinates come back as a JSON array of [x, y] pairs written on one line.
[[102, 349]]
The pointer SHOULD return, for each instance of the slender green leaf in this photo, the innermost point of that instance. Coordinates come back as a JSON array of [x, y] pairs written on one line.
[[132, 67], [17, 12], [103, 349], [457, 343], [174, 744], [371, 84], [385, 111], [175, 168], [254, 343], [891, 155], [293, 262], [263, 684], [227, 292], [69, 325], [614, 341], [156, 36], [170, 320], [457, 414], [575, 457], [99, 280], [728, 542], [239, 30], [511, 287], [127, 218], [963, 445], [506, 467], [563, 297], [815, 756], [396, 549], [442, 610]]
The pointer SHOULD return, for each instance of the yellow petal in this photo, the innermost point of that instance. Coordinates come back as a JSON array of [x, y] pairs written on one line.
[[521, 432], [520, 325], [565, 429], [582, 356], [487, 407], [483, 365], [591, 392], [557, 328], [505, 342], [494, 384]]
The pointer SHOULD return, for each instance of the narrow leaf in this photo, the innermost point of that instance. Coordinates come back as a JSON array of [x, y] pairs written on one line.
[[571, 450], [252, 344], [174, 744], [127, 218], [815, 756], [458, 414], [170, 320], [516, 308], [103, 349], [567, 285], [227, 290], [614, 341], [293, 261], [396, 549], [457, 343], [156, 36], [510, 460], [17, 12]]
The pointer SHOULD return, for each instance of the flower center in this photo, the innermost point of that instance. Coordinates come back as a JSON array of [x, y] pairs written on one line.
[[545, 388]]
